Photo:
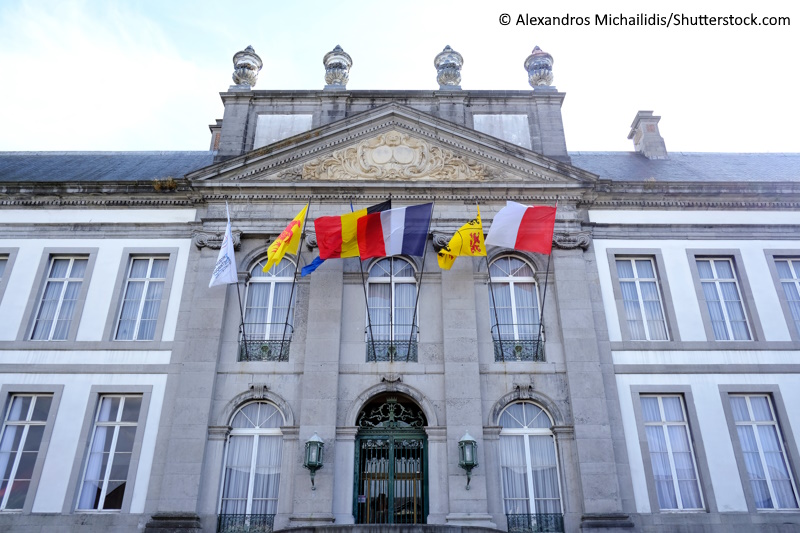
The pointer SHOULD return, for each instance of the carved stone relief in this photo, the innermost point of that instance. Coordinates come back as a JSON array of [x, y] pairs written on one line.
[[567, 241], [396, 156], [202, 239]]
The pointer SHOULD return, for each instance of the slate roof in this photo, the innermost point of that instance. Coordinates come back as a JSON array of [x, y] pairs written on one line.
[[692, 167], [99, 166], [615, 166]]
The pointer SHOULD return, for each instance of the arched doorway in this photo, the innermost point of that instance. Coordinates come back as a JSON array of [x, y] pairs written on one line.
[[391, 477]]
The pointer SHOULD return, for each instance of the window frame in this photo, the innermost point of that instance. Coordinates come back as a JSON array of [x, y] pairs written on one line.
[[256, 433], [11, 255], [87, 433], [526, 433], [393, 281], [745, 293], [112, 322], [510, 280], [34, 299], [782, 255], [787, 439], [267, 335], [7, 392], [695, 439], [662, 280]]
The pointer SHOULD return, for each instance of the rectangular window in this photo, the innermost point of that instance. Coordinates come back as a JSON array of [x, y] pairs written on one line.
[[642, 299], [671, 453], [61, 291], [789, 275], [110, 452], [3, 263], [723, 298], [764, 453], [143, 290], [21, 438]]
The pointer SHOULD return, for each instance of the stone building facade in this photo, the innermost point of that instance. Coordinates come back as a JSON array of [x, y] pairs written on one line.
[[642, 377]]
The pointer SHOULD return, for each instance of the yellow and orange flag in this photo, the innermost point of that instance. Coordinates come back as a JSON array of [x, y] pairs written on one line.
[[466, 241], [287, 241]]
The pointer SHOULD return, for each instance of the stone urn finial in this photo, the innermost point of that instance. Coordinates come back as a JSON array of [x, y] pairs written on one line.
[[540, 68], [246, 66], [337, 68], [448, 65]]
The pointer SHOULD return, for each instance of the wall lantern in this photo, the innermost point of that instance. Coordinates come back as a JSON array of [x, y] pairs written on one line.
[[313, 458], [467, 459]]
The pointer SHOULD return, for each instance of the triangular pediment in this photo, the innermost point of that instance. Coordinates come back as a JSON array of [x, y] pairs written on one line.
[[393, 143]]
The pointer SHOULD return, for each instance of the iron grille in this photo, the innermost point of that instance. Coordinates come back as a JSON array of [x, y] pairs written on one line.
[[265, 342], [399, 349], [245, 523], [535, 523], [525, 347]]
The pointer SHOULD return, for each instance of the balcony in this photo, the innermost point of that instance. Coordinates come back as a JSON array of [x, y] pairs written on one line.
[[245, 523], [535, 523], [265, 342], [398, 350], [517, 342]]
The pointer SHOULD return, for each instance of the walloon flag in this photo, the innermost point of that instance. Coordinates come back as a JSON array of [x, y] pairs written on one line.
[[521, 227], [337, 235], [287, 241], [225, 269], [468, 240], [396, 231]]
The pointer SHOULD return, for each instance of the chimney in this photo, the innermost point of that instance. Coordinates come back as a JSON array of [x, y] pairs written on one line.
[[216, 129], [646, 138]]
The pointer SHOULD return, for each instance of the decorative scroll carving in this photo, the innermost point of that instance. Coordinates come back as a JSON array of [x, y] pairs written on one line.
[[202, 239], [440, 240], [391, 414], [293, 173], [392, 379], [259, 390], [568, 241], [311, 241], [396, 156], [524, 391]]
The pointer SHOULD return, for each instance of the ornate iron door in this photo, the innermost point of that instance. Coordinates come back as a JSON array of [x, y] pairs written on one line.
[[391, 466]]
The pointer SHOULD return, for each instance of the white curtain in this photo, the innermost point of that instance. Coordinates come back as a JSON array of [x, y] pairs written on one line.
[[95, 465], [633, 313], [9, 445], [404, 299], [715, 311], [544, 473], [502, 305], [527, 310], [380, 310], [735, 310], [255, 317], [684, 467], [281, 310], [652, 309], [267, 475], [149, 319], [237, 474], [659, 459], [755, 470], [513, 471], [130, 310]]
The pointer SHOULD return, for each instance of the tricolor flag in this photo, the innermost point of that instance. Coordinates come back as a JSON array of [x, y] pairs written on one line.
[[466, 241], [337, 235], [225, 269], [522, 227], [397, 231], [287, 241]]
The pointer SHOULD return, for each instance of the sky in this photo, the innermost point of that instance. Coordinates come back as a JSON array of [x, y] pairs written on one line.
[[146, 74]]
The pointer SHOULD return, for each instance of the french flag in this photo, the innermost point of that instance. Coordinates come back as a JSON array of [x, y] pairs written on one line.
[[521, 227], [395, 231]]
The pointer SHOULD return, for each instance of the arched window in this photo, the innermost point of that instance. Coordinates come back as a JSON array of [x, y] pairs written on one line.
[[268, 312], [252, 471], [529, 468], [514, 310], [392, 290]]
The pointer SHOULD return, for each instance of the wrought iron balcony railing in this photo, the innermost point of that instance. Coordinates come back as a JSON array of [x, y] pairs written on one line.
[[382, 347], [527, 346], [245, 523], [535, 523], [265, 342]]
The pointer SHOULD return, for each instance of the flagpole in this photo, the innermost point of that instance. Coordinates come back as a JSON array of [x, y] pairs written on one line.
[[294, 278], [494, 303], [544, 297], [238, 292], [366, 299], [421, 272]]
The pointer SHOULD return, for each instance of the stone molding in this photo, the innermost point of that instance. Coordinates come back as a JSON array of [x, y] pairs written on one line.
[[218, 432], [203, 239], [396, 156], [569, 241]]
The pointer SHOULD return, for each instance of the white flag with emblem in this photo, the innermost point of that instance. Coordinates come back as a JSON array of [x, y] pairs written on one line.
[[225, 269]]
